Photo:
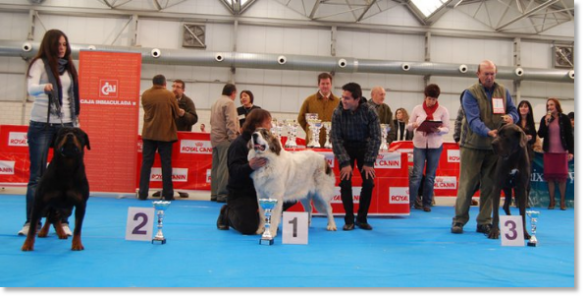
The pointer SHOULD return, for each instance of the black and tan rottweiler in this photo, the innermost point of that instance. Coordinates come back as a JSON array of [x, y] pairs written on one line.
[[513, 167], [63, 186]]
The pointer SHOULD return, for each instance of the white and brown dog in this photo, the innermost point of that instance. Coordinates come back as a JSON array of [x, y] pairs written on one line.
[[288, 177]]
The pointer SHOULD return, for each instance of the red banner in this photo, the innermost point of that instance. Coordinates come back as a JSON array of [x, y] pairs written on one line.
[[110, 93]]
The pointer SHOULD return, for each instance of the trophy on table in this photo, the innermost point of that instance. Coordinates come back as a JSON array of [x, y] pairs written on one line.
[[533, 215], [291, 141], [317, 125], [279, 126], [160, 207], [268, 205], [384, 128], [327, 125], [311, 118]]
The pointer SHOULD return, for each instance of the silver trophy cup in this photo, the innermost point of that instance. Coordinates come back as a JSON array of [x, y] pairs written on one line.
[[384, 131], [268, 205], [533, 215], [160, 207], [317, 125], [327, 125], [291, 125], [311, 118]]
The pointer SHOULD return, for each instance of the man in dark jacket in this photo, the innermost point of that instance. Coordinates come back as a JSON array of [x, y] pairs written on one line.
[[185, 122]]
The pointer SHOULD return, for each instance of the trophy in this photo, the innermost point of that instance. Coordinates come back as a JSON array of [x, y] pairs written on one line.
[[317, 125], [311, 118], [327, 126], [160, 207], [533, 215], [291, 141], [267, 205], [384, 130]]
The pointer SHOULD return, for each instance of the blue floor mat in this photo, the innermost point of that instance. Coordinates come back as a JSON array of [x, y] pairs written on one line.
[[412, 251]]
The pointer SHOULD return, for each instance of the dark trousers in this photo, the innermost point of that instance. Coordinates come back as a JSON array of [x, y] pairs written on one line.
[[39, 135], [165, 150], [356, 154], [243, 216]]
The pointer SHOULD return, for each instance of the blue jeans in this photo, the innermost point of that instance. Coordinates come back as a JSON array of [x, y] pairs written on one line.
[[40, 135], [431, 156]]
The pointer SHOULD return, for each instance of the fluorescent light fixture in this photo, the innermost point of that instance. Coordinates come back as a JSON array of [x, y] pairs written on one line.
[[428, 7]]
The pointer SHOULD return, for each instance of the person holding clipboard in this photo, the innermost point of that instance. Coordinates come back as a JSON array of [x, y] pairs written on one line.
[[430, 122]]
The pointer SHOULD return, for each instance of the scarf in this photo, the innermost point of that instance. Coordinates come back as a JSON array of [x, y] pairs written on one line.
[[56, 100], [430, 110]]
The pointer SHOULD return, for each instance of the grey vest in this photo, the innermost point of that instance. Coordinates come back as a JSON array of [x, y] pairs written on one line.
[[486, 115]]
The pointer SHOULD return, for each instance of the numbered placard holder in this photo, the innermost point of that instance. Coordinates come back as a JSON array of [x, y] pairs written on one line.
[[139, 224], [295, 228], [511, 230]]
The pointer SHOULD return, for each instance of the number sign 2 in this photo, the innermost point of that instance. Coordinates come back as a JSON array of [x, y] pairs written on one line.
[[295, 228], [511, 230], [139, 224]]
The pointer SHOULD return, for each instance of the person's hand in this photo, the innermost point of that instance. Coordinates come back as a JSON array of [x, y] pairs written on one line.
[[528, 137], [508, 119], [548, 118], [181, 112], [369, 172], [345, 173], [48, 88], [415, 125], [257, 162], [571, 156], [493, 133]]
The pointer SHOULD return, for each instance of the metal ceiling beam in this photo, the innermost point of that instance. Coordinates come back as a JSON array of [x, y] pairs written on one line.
[[528, 13], [314, 10], [277, 22], [372, 2]]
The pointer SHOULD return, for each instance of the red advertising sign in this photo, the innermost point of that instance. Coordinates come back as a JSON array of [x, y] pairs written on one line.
[[110, 94]]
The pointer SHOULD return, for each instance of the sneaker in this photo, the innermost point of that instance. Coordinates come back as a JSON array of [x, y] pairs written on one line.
[[26, 227], [485, 228], [66, 229], [457, 228]]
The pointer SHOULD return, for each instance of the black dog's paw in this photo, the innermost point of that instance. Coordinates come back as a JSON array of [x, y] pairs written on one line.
[[494, 233]]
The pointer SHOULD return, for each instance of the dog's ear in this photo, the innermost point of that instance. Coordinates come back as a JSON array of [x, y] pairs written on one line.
[[86, 138], [275, 145], [522, 138]]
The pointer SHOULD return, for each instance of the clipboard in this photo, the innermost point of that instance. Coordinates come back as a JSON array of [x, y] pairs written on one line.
[[429, 126]]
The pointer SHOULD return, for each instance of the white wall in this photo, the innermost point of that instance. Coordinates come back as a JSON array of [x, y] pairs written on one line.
[[282, 92]]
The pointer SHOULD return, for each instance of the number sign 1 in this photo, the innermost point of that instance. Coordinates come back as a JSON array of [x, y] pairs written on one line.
[[295, 228], [511, 230], [139, 224]]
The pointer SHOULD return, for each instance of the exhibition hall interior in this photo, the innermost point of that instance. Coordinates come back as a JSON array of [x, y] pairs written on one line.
[[288, 143]]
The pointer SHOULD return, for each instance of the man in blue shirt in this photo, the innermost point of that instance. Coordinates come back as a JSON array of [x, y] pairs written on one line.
[[487, 105]]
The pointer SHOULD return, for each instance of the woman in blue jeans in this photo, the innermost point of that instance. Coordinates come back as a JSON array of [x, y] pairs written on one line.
[[428, 145], [52, 83]]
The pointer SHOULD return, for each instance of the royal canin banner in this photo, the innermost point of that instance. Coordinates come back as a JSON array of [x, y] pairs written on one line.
[[110, 101]]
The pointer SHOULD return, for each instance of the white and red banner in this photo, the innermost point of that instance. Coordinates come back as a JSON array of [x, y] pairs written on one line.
[[110, 94]]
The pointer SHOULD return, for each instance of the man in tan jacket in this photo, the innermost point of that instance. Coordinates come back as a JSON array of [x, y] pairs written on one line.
[[159, 132], [225, 127], [323, 103]]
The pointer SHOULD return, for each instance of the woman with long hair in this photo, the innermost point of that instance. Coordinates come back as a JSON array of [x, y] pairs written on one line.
[[241, 210], [526, 122], [400, 132], [555, 129], [52, 83]]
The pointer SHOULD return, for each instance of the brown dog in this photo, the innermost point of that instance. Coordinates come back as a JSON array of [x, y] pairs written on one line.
[[510, 146], [63, 186]]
